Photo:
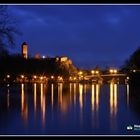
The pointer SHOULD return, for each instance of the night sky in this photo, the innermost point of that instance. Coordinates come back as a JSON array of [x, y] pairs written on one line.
[[90, 35]]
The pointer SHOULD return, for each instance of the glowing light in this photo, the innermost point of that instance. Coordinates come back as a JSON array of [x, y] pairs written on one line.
[[80, 72], [97, 97], [35, 97], [43, 104], [111, 70], [60, 90], [35, 76], [60, 78], [127, 94], [8, 76], [70, 91], [74, 94], [127, 78], [92, 97], [52, 94], [24, 105], [97, 72], [134, 70], [113, 99], [43, 56], [74, 78], [52, 77], [92, 71], [22, 76], [115, 71], [41, 77], [22, 97], [81, 95]]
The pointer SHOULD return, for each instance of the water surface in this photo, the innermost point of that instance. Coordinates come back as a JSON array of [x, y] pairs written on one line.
[[68, 109]]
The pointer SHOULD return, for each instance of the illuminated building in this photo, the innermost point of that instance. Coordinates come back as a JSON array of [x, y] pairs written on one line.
[[24, 49], [63, 59], [37, 56]]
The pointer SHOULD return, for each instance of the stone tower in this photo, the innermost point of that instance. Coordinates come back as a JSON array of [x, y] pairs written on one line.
[[24, 50]]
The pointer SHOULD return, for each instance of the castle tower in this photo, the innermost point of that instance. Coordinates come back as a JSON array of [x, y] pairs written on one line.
[[24, 50]]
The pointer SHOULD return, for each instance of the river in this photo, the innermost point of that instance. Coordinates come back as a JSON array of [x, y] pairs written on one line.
[[69, 109]]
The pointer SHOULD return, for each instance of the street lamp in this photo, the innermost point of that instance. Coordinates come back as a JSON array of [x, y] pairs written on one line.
[[34, 76], [22, 76], [52, 77], [92, 72], [115, 71], [8, 76], [80, 72], [74, 78], [97, 72], [41, 77], [111, 71]]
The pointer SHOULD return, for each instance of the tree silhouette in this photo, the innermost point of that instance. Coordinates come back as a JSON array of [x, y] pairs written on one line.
[[133, 62], [8, 30]]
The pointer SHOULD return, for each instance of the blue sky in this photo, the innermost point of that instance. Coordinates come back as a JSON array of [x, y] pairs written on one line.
[[90, 35]]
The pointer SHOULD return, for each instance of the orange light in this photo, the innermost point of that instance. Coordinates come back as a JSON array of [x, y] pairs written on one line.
[[74, 78], [70, 78], [60, 78], [8, 76], [127, 78], [115, 71], [41, 78], [35, 76], [92, 71], [80, 72], [22, 76], [111, 70], [52, 77], [97, 72]]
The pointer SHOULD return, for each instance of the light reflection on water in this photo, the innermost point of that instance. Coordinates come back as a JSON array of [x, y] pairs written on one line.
[[35, 98], [52, 95], [127, 91], [71, 108], [24, 105], [43, 103], [113, 105]]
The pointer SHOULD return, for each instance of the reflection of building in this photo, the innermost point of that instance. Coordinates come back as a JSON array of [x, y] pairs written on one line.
[[24, 49]]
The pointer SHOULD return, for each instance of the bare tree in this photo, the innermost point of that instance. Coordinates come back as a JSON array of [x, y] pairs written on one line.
[[8, 30]]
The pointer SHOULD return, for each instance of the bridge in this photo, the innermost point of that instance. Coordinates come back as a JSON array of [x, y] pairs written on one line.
[[106, 75], [106, 78]]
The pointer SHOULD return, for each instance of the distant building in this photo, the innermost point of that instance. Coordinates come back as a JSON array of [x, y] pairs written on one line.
[[24, 50], [37, 56], [63, 59]]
